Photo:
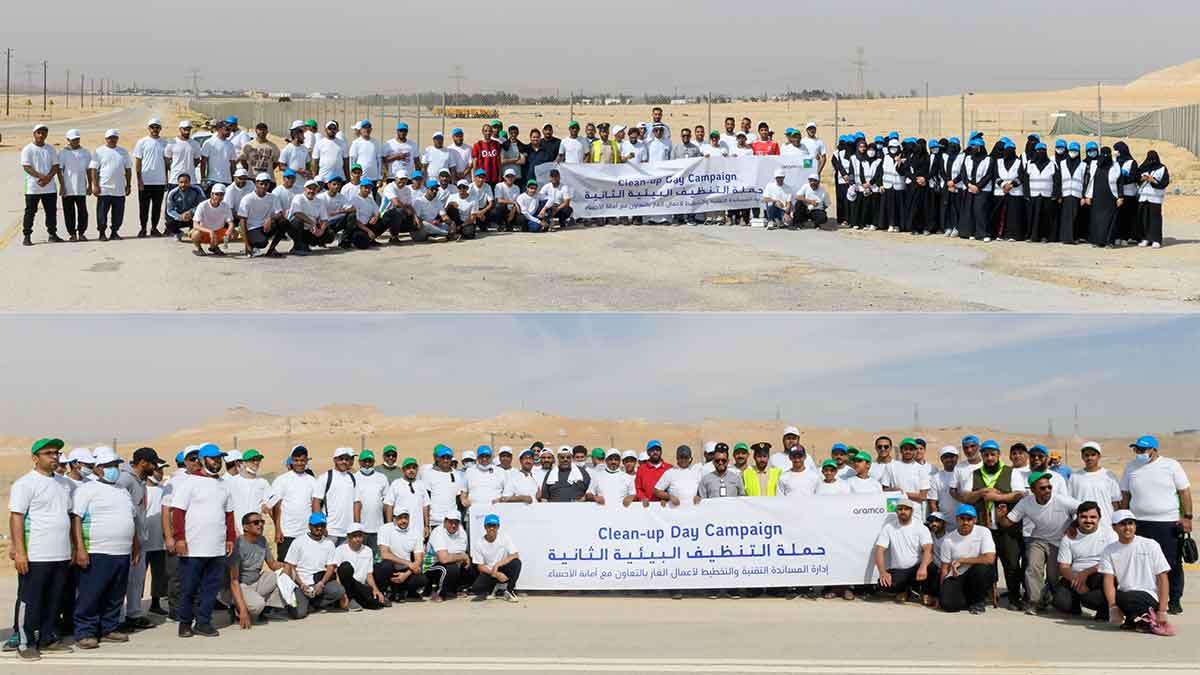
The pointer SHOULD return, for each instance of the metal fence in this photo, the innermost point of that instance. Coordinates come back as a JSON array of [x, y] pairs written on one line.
[[1178, 126]]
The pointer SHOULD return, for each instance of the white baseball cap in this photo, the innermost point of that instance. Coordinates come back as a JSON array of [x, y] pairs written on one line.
[[564, 449], [296, 124], [39, 127], [72, 134], [1093, 445], [627, 454], [779, 173], [618, 129], [154, 122], [1121, 515], [240, 173], [331, 124], [218, 189], [810, 125], [948, 450], [468, 454], [611, 452], [311, 183], [105, 455], [905, 501], [81, 455], [356, 125], [185, 124], [791, 431], [510, 172], [232, 456], [710, 447], [262, 177], [111, 133], [343, 452], [644, 457], [505, 448], [438, 134], [354, 527]]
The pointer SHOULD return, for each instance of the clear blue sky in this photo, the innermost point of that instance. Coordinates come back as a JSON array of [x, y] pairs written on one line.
[[132, 376]]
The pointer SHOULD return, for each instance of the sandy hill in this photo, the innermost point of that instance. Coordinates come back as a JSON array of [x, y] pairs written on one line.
[[1183, 75]]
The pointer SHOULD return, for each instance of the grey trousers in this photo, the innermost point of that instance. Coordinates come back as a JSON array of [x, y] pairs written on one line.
[[136, 587], [329, 597], [258, 595], [1041, 568]]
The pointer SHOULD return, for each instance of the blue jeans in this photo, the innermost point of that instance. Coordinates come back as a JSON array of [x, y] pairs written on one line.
[[199, 582], [106, 203], [774, 213], [101, 595]]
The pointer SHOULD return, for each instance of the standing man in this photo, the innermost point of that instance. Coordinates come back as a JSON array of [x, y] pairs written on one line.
[[799, 481], [993, 492], [485, 156], [814, 147], [261, 155], [202, 524], [111, 170], [410, 494], [1135, 578], [909, 477], [649, 473], [610, 485], [367, 152], [182, 155], [218, 160], [330, 155], [294, 155], [401, 155], [1096, 484], [909, 548], [444, 485], [460, 154], [133, 480], [42, 549], [290, 500], [572, 149], [150, 164], [371, 485], [680, 485], [483, 483], [250, 492], [75, 183], [390, 469], [521, 484], [1157, 491], [104, 531], [1050, 514], [39, 161], [497, 562], [761, 480], [566, 482], [940, 484], [337, 496]]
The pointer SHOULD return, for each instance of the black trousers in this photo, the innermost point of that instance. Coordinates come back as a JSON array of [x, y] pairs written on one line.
[[486, 583], [281, 549], [1008, 553], [106, 204], [1166, 533], [150, 201], [1133, 604], [49, 207], [75, 213], [1069, 601], [843, 206], [358, 592], [933, 582], [269, 240], [969, 588], [413, 584], [903, 579], [156, 561], [801, 213], [39, 593], [448, 580], [461, 227], [1149, 223]]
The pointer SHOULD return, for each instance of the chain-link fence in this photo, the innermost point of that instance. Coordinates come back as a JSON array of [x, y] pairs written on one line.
[[1179, 126]]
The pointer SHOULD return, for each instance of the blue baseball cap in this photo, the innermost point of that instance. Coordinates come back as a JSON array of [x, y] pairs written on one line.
[[893, 134], [402, 126], [933, 145], [364, 123], [910, 139], [1060, 143], [989, 444], [1145, 443], [527, 451], [483, 450], [443, 451], [859, 134], [1005, 139], [480, 172], [432, 183], [1039, 146], [417, 174], [1039, 448], [335, 178], [966, 510], [491, 519], [455, 131], [231, 120], [179, 458], [210, 450], [1073, 146], [1009, 144], [976, 134], [365, 182], [654, 444], [970, 439], [289, 173], [838, 446], [954, 140], [1036, 137], [879, 139], [317, 518], [976, 142], [1092, 145]]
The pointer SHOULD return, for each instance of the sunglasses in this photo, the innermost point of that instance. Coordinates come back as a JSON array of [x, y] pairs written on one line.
[[883, 447], [720, 461], [254, 522]]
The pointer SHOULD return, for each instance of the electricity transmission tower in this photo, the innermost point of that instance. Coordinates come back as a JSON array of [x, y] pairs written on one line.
[[860, 65], [458, 76]]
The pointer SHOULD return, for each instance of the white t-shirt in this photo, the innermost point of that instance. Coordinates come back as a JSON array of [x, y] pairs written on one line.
[[107, 517], [783, 462], [910, 477], [313, 208], [837, 487], [709, 150], [152, 151], [365, 208], [184, 156], [310, 556], [414, 496], [813, 146], [110, 165], [294, 157], [507, 192], [781, 193], [861, 486], [404, 544], [879, 471], [1135, 565], [614, 486], [427, 210], [310, 140], [939, 491], [362, 560], [1050, 520], [1154, 489], [328, 153], [903, 542], [400, 167], [294, 492], [680, 483], [462, 158], [444, 487], [789, 151], [484, 552], [435, 159], [637, 150], [257, 209], [481, 195], [955, 546], [485, 487], [964, 477], [658, 150], [249, 495], [465, 205], [219, 152], [555, 195], [74, 164], [573, 150], [371, 489], [1097, 486], [798, 483], [395, 191], [527, 204], [332, 203], [339, 501], [1084, 551], [284, 195], [520, 484], [441, 540], [154, 521], [212, 217], [45, 501], [42, 160], [234, 195], [205, 502], [240, 140], [819, 195], [369, 155]]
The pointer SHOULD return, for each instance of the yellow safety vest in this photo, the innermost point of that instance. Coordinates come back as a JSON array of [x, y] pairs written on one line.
[[750, 481], [616, 151]]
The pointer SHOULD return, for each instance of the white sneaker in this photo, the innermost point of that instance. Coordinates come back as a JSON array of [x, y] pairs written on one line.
[[893, 229], [1156, 245], [986, 239], [954, 233], [1144, 243], [870, 228], [972, 238], [509, 596], [1120, 242]]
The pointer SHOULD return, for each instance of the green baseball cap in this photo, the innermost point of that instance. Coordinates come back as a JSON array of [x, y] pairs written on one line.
[[829, 463], [356, 166], [389, 448], [598, 453], [851, 450], [908, 441], [43, 443], [1036, 476], [409, 460], [537, 444], [497, 123], [740, 446], [251, 454], [866, 457], [527, 184], [573, 123], [311, 123], [366, 454]]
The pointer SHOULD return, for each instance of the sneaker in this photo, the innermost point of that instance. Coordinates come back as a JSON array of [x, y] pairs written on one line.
[[12, 643], [58, 647], [986, 239], [677, 595], [172, 617], [714, 594], [55, 239], [141, 233], [735, 594], [206, 629], [977, 608], [115, 636], [29, 653], [509, 596], [139, 623], [1144, 243], [354, 606], [114, 237], [1156, 245], [185, 630], [1174, 607], [1120, 242], [88, 642]]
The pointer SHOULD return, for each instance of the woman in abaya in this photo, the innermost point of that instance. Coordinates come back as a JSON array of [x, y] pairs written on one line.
[[979, 173], [1127, 214], [954, 196], [1045, 190], [1152, 187], [918, 171], [996, 155], [842, 172], [1030, 153], [891, 206], [1010, 194], [1103, 195], [1091, 153], [868, 177], [1072, 173]]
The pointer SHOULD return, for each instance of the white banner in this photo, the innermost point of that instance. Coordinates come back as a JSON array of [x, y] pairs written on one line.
[[674, 186], [736, 542]]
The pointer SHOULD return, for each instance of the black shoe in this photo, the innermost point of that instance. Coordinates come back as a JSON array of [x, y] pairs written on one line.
[[185, 630], [139, 623], [156, 608], [82, 237], [154, 232], [977, 608], [55, 239], [27, 241], [272, 254], [103, 237], [142, 233], [115, 237], [172, 616], [206, 629], [1174, 607], [301, 251]]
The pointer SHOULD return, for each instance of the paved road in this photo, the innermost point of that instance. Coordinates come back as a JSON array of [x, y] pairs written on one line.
[[552, 633]]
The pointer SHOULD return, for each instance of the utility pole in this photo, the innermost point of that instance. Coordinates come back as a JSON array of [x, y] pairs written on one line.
[[926, 97], [458, 76], [81, 99], [916, 416], [962, 111], [860, 64], [67, 89], [1076, 420], [7, 80], [1099, 115], [45, 66], [195, 75], [837, 119]]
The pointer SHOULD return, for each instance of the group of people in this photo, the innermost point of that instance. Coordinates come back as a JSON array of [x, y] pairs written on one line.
[[323, 188], [87, 526]]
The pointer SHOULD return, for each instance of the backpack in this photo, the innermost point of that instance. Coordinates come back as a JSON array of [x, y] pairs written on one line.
[[329, 484]]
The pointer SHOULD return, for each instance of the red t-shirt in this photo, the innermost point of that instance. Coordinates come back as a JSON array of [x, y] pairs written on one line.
[[487, 157], [647, 477], [765, 147]]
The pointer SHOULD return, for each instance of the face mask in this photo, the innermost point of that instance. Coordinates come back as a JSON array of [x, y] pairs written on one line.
[[870, 153], [111, 473], [250, 470], [933, 151], [1141, 457], [86, 471], [210, 472], [1074, 154], [581, 464], [1091, 154], [367, 471]]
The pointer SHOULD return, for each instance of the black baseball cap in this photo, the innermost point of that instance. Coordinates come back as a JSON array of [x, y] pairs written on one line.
[[145, 455]]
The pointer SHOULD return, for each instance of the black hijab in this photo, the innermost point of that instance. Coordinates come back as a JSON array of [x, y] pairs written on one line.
[[1122, 150], [1040, 158], [1152, 162]]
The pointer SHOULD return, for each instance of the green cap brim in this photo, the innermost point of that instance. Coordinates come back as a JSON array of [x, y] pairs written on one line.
[[741, 446], [409, 460], [389, 448], [43, 443], [366, 454], [251, 454]]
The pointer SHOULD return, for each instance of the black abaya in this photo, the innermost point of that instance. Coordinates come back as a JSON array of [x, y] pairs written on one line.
[[1103, 218]]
